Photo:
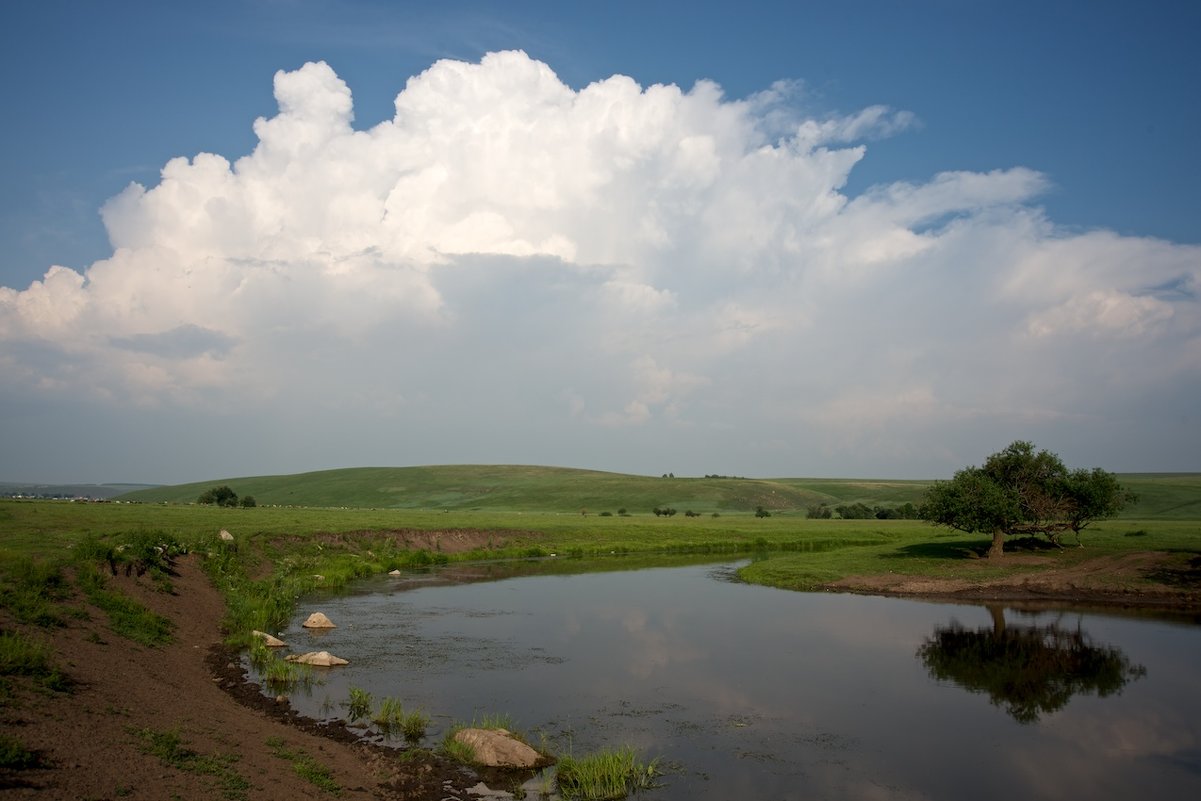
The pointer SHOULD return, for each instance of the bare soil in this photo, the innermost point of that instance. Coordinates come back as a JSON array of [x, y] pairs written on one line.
[[92, 742], [1144, 580]]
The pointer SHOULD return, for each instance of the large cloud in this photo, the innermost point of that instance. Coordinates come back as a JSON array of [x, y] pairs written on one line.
[[645, 264]]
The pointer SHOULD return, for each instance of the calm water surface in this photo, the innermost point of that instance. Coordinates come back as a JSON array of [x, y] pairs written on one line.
[[754, 693]]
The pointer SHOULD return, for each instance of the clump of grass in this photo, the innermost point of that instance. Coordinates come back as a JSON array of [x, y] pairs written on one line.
[[126, 617], [279, 675], [15, 756], [21, 655], [305, 766], [168, 746], [359, 705], [456, 749], [607, 774], [391, 718], [29, 588], [414, 725], [494, 720]]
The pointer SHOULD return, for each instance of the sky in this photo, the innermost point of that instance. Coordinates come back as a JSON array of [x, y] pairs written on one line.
[[865, 238]]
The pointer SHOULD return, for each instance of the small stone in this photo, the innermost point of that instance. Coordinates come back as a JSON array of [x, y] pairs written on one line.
[[226, 536]]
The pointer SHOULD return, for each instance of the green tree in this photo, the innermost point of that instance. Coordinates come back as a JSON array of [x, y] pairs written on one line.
[[1023, 491], [247, 502], [219, 496]]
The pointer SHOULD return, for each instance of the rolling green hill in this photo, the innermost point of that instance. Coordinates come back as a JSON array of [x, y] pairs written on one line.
[[528, 488], [557, 489]]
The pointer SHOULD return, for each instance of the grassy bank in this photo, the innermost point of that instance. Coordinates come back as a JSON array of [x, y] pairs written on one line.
[[277, 554]]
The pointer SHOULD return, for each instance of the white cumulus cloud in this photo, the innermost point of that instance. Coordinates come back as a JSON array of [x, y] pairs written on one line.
[[615, 264]]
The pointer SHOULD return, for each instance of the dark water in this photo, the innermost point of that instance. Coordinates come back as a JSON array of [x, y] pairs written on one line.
[[753, 693]]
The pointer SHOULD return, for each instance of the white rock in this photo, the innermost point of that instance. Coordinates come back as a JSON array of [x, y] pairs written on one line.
[[318, 620], [497, 748], [395, 573], [225, 535], [268, 640], [320, 658]]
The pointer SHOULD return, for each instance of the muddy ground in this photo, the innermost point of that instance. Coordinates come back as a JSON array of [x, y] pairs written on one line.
[[95, 742]]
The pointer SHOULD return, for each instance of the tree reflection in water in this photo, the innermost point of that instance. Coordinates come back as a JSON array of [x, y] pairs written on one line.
[[1029, 670]]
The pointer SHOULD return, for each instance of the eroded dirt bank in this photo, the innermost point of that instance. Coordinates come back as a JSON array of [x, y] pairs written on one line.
[[95, 742]]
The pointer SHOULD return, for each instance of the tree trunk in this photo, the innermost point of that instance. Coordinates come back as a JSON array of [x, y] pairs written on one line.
[[998, 545]]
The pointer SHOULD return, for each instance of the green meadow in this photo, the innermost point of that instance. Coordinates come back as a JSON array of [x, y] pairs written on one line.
[[345, 524]]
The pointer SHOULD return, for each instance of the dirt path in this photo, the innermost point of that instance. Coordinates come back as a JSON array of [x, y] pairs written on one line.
[[93, 741]]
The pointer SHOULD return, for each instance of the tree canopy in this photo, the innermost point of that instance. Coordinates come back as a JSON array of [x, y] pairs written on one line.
[[221, 496], [1020, 491]]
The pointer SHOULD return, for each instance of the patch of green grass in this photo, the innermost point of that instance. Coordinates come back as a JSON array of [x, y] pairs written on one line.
[[457, 750], [21, 655], [305, 766], [277, 674], [607, 774], [391, 719], [30, 589], [126, 617], [15, 756], [168, 746]]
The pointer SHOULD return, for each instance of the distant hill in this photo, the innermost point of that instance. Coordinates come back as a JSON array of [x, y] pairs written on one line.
[[559, 489], [529, 488], [92, 491]]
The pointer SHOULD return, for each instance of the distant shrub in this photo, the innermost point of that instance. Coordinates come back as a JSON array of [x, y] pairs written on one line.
[[855, 511], [606, 514], [761, 512], [218, 496], [819, 511], [248, 501]]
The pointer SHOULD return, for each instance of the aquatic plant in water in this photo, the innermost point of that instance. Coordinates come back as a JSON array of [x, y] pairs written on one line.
[[607, 774]]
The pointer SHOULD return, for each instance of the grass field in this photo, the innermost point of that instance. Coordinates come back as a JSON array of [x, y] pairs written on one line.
[[499, 512]]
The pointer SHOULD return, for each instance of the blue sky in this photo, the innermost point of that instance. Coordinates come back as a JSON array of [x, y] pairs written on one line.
[[987, 231]]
